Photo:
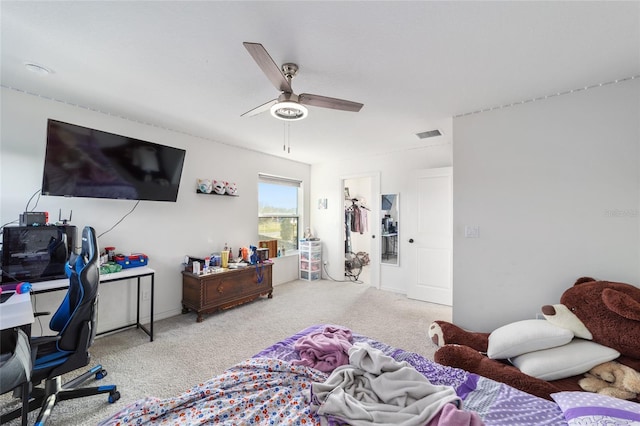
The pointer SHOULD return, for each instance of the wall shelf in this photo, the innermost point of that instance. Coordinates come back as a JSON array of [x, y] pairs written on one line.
[[214, 193]]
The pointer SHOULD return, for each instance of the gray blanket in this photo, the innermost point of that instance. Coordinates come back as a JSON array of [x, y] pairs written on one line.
[[375, 389]]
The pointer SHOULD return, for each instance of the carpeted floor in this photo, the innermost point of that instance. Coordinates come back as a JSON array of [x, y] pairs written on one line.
[[185, 352]]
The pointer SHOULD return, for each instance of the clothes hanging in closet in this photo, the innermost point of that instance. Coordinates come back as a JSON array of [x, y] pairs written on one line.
[[356, 219]]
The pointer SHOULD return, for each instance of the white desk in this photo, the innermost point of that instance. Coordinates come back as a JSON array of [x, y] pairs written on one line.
[[125, 274], [16, 311]]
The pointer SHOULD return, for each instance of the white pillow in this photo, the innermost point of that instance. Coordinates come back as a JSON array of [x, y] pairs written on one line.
[[525, 336], [574, 358]]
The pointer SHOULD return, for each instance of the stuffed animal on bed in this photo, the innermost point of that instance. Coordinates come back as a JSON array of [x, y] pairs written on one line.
[[596, 322], [613, 379]]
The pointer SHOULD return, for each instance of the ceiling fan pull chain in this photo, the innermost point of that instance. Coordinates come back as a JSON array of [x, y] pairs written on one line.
[[284, 136], [289, 138]]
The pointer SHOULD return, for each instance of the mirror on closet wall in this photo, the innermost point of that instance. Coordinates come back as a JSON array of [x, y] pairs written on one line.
[[390, 214]]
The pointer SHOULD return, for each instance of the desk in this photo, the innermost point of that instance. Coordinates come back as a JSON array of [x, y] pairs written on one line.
[[125, 274], [16, 311]]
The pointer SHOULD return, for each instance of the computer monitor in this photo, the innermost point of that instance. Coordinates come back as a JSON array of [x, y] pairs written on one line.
[[36, 253]]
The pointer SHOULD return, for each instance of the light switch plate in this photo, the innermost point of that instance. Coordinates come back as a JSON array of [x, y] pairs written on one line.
[[472, 231]]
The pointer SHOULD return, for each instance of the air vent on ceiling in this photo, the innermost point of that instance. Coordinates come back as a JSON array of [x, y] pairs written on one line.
[[429, 134]]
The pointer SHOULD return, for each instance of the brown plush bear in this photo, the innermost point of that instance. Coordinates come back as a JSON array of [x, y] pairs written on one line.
[[605, 312]]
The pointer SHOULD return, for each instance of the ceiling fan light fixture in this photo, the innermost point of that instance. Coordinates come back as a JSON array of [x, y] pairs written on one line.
[[289, 111]]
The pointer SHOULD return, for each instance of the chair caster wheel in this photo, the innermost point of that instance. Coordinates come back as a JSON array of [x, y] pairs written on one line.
[[113, 397], [101, 374]]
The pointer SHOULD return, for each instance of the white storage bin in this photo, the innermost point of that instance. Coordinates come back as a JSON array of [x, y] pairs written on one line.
[[310, 245], [311, 256], [309, 276], [310, 260]]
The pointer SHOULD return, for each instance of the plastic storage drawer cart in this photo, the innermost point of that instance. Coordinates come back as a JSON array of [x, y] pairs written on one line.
[[310, 260]]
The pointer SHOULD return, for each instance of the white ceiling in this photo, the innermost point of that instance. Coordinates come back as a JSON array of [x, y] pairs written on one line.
[[414, 65]]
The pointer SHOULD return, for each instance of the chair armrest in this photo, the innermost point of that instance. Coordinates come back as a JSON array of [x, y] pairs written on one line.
[[41, 340]]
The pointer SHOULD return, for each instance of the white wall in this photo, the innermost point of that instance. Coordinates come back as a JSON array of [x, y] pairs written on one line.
[[395, 177], [196, 224], [554, 187]]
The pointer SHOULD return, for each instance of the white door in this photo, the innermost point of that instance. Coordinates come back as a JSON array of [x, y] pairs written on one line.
[[429, 237]]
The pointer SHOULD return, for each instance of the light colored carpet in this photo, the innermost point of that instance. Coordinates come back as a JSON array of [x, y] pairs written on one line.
[[185, 353]]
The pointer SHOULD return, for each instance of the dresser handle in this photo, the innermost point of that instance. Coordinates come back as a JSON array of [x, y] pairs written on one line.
[[220, 289]]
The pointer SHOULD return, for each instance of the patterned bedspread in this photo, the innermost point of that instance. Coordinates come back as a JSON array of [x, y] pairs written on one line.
[[269, 389]]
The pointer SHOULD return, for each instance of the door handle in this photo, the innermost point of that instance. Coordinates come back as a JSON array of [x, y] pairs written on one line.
[[411, 240]]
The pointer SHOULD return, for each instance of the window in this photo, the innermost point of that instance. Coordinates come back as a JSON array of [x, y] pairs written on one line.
[[278, 215]]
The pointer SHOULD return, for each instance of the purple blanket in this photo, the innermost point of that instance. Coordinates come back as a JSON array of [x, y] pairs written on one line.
[[269, 389], [496, 403], [324, 350]]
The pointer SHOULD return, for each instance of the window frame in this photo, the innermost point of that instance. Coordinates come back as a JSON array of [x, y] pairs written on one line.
[[284, 181]]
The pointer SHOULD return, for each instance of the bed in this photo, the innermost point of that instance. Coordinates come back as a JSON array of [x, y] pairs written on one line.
[[283, 384]]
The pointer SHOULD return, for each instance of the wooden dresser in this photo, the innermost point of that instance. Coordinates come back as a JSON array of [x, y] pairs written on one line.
[[222, 290]]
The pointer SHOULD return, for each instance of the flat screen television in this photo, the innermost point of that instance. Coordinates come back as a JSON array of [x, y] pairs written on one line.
[[36, 253], [84, 162]]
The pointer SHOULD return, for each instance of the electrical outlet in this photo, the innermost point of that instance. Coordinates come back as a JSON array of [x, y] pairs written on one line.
[[145, 295]]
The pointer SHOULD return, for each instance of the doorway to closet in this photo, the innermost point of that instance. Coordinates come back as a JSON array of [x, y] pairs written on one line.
[[360, 233]]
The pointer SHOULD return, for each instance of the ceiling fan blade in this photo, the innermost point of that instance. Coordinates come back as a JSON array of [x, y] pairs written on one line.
[[259, 109], [268, 67], [326, 102]]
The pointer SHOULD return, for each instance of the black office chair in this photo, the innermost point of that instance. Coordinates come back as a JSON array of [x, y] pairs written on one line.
[[75, 322], [15, 365]]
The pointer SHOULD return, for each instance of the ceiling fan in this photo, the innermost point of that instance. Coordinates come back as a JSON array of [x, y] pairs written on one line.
[[289, 106]]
